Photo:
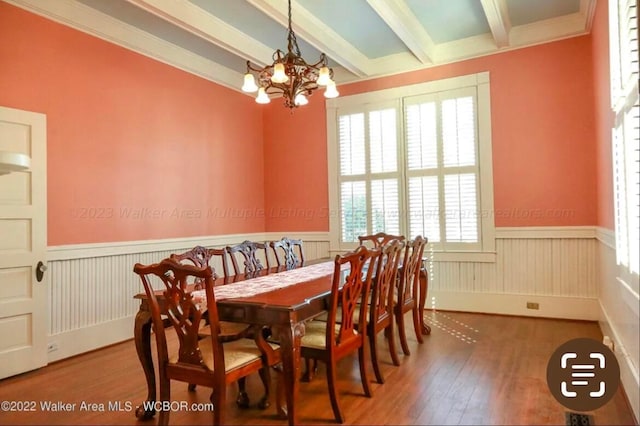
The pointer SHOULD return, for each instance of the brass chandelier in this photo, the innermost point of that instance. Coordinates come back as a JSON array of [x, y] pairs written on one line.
[[290, 76]]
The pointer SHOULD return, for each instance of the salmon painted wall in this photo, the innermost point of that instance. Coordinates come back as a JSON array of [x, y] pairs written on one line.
[[604, 115], [544, 143], [136, 149], [296, 175]]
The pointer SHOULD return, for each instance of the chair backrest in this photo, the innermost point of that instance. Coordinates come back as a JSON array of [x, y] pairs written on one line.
[[350, 292], [379, 240], [181, 310], [411, 264], [202, 256], [251, 262], [288, 252], [385, 282]]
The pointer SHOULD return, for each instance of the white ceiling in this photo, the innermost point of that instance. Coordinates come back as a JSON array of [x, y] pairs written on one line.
[[362, 38]]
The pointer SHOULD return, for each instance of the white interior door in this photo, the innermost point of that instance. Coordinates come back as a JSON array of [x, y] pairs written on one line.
[[23, 243]]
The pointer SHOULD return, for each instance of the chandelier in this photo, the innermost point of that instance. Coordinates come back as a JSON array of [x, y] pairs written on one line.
[[290, 76]]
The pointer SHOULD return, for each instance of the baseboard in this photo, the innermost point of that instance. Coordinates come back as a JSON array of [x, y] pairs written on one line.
[[629, 376], [576, 308], [86, 339]]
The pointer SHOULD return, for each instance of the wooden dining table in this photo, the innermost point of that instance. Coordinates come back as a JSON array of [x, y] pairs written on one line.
[[285, 310]]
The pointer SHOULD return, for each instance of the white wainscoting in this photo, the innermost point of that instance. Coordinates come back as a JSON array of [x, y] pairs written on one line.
[[620, 319], [92, 285], [554, 267]]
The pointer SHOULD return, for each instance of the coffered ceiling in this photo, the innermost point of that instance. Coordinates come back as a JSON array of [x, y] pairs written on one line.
[[362, 38]]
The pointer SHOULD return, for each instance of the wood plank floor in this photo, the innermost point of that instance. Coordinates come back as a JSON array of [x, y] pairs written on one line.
[[473, 369]]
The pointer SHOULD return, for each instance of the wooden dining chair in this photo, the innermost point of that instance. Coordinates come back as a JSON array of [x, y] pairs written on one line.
[[201, 257], [288, 253], [407, 294], [248, 251], [331, 340], [378, 240], [381, 308], [208, 362]]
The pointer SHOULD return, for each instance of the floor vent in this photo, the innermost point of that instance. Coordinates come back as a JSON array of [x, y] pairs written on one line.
[[577, 419]]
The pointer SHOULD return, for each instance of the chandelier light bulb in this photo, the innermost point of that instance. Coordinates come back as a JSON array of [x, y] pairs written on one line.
[[323, 77], [301, 99], [249, 85], [262, 97], [278, 74], [331, 91]]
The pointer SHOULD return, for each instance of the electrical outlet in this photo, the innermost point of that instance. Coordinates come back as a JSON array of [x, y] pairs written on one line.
[[533, 305], [52, 347]]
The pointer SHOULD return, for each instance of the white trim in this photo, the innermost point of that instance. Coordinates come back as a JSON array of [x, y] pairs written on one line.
[[629, 375], [546, 232], [81, 251], [410, 90], [86, 339], [606, 237], [579, 308]]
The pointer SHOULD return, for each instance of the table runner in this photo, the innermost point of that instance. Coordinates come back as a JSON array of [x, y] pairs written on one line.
[[267, 283]]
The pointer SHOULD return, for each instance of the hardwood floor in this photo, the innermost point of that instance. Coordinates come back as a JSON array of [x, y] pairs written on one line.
[[473, 369]]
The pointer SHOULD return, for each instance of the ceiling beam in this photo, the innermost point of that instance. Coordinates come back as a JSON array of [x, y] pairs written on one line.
[[402, 21], [319, 35], [588, 9], [498, 18], [190, 17]]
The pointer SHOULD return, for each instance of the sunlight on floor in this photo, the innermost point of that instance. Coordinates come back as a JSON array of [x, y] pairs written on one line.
[[443, 322]]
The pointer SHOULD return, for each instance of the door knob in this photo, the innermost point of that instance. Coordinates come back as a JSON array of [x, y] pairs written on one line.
[[41, 268]]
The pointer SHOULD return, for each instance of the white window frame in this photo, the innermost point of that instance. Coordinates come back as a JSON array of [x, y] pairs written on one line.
[[481, 82], [624, 140]]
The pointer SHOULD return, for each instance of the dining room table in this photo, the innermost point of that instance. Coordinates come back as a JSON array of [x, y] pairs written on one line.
[[282, 299]]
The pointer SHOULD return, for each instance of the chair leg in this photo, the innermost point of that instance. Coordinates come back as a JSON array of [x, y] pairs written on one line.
[[311, 368], [416, 324], [391, 338], [217, 398], [402, 331], [265, 376], [362, 359], [165, 395], [333, 392], [242, 401], [374, 356]]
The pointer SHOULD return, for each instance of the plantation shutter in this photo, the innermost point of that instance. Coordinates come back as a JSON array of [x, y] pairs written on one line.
[[626, 135], [369, 172], [442, 168]]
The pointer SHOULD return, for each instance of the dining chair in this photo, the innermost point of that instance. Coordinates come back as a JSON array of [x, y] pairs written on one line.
[[379, 239], [288, 253], [407, 294], [381, 307], [208, 362], [248, 253], [331, 340], [201, 257]]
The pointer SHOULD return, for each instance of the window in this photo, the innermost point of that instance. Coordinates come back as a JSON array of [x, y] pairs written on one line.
[[625, 135], [413, 161]]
